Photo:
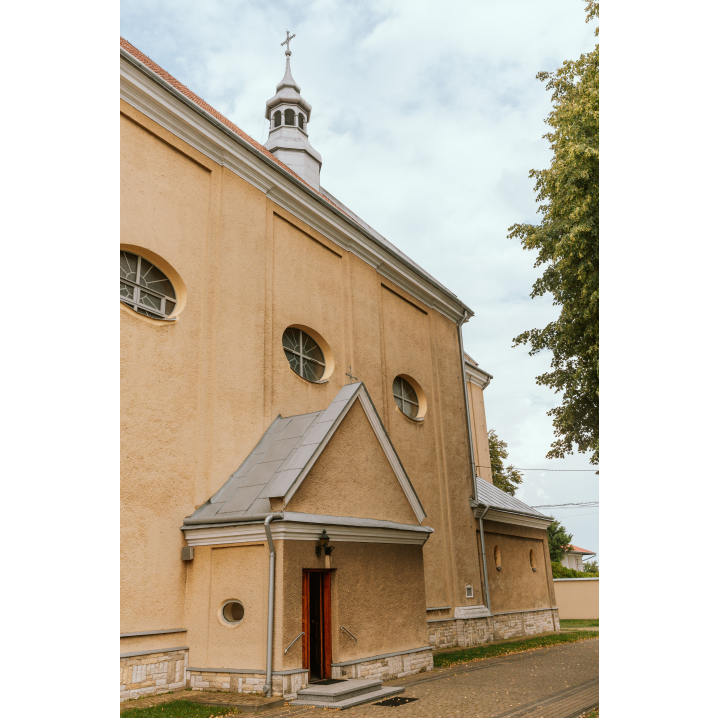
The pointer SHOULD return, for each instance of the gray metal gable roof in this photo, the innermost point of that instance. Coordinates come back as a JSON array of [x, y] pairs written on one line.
[[495, 498], [285, 453]]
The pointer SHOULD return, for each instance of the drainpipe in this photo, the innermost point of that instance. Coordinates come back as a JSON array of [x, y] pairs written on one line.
[[483, 559], [267, 690], [466, 402]]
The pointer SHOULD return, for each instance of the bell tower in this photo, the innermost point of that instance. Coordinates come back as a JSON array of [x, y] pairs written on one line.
[[288, 114]]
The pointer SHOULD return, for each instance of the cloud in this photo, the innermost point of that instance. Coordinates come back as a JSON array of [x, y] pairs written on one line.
[[428, 118]]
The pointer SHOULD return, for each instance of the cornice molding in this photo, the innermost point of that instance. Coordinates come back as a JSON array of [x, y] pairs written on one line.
[[477, 376], [159, 101], [293, 531], [517, 519]]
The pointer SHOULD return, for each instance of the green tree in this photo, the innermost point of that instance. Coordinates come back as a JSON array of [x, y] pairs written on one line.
[[558, 541], [506, 478], [591, 567], [567, 243]]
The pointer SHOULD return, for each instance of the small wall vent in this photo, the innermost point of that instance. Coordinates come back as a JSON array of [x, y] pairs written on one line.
[[469, 592]]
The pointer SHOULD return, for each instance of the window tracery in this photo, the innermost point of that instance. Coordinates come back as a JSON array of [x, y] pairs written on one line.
[[405, 397], [303, 354], [144, 288]]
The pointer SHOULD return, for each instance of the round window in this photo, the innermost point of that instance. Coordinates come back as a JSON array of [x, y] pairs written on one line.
[[405, 397], [145, 288], [303, 353], [233, 611]]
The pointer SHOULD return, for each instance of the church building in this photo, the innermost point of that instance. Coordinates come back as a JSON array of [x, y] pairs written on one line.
[[305, 490]]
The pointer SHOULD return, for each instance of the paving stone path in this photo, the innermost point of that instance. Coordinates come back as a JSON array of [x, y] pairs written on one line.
[[556, 682]]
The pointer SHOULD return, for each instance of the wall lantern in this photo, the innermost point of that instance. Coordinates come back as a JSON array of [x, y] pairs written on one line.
[[324, 544]]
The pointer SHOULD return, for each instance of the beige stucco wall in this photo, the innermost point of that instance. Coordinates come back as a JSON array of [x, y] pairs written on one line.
[[353, 477], [377, 593], [216, 575], [387, 614], [516, 587], [198, 393], [479, 431], [577, 597]]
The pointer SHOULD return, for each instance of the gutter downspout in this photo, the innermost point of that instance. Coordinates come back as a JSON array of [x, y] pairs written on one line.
[[267, 690], [483, 559], [466, 402]]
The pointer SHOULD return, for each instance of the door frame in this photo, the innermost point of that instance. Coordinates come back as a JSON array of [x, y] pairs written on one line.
[[326, 608]]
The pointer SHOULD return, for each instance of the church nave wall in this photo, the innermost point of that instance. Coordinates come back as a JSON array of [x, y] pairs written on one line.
[[198, 393]]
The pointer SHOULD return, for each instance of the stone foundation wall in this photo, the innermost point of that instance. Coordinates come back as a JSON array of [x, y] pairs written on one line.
[[231, 682], [474, 631], [153, 673], [386, 669]]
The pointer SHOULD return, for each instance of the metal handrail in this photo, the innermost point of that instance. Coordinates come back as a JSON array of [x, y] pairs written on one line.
[[293, 642], [343, 628]]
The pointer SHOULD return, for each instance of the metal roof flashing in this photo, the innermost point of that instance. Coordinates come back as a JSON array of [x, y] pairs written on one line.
[[498, 500], [284, 456]]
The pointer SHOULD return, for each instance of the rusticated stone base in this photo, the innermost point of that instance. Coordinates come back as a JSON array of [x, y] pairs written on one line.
[[385, 669], [285, 685], [152, 673], [474, 631]]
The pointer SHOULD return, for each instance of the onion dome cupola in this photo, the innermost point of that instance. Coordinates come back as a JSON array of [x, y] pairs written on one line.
[[288, 114]]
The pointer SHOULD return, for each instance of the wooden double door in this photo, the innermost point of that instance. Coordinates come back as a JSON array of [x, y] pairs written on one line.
[[317, 623]]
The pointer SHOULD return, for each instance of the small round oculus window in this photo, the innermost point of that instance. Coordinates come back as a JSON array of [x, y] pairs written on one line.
[[233, 612], [145, 288], [303, 354], [405, 397]]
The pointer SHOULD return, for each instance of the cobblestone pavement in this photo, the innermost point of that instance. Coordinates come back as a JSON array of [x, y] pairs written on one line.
[[556, 682]]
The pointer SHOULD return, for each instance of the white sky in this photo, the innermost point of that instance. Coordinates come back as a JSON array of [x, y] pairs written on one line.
[[428, 118]]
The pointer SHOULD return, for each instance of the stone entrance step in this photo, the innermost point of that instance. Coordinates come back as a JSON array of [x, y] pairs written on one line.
[[345, 694]]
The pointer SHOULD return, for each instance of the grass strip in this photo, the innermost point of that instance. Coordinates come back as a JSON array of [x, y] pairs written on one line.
[[579, 623], [181, 709], [491, 650]]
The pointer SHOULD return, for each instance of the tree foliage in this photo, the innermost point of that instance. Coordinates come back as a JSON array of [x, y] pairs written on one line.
[[567, 243], [506, 478], [591, 567], [558, 540], [560, 571]]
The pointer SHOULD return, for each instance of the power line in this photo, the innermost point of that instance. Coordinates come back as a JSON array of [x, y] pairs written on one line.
[[574, 515], [518, 468], [575, 505]]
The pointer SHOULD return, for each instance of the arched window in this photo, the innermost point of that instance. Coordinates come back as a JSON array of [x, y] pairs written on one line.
[[288, 117], [532, 559], [497, 557], [277, 118], [303, 353], [405, 397], [300, 117], [145, 288]]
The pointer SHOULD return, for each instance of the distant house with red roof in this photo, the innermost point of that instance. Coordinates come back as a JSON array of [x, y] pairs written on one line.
[[573, 558]]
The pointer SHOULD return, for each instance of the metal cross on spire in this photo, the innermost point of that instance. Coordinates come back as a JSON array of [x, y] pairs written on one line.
[[352, 377], [286, 42]]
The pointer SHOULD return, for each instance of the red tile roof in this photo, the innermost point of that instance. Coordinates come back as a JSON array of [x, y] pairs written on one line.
[[580, 550], [132, 50]]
